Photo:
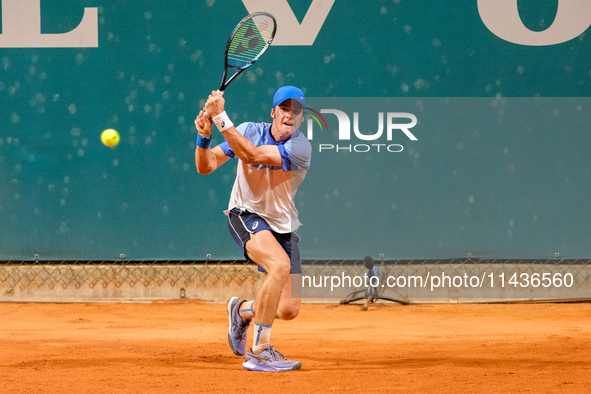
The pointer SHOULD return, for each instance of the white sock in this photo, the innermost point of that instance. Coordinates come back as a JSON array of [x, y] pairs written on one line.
[[246, 311], [261, 337]]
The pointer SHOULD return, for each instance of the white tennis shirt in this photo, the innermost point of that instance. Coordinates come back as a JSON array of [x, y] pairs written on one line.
[[269, 191]]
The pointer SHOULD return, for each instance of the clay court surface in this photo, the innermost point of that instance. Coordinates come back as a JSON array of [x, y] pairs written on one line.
[[180, 346]]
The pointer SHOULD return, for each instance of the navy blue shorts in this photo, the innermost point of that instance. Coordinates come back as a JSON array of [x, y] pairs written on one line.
[[243, 223]]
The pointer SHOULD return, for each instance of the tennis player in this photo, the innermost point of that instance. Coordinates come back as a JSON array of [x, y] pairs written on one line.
[[262, 218]]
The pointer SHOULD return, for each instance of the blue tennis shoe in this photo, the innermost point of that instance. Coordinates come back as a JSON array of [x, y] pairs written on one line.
[[269, 360], [238, 330]]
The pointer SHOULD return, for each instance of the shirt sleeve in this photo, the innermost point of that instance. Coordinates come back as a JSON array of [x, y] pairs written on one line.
[[295, 153], [226, 147]]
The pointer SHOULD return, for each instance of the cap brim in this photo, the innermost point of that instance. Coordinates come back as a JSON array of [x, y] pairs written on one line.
[[298, 99]]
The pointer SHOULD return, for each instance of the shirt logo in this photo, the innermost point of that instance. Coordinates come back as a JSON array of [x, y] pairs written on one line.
[[255, 225]]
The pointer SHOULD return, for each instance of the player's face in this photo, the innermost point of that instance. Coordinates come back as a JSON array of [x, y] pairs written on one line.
[[287, 118]]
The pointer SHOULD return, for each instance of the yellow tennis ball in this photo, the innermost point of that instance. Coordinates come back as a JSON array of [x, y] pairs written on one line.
[[110, 137]]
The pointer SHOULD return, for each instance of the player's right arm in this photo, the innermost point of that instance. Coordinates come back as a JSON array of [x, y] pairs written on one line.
[[207, 160]]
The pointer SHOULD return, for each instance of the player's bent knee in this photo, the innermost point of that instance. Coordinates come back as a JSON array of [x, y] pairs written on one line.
[[288, 312], [280, 269]]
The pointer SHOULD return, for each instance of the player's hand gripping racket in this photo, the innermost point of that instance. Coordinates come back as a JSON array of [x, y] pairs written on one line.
[[249, 40]]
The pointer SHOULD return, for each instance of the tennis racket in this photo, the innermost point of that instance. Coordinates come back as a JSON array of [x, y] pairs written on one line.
[[249, 40]]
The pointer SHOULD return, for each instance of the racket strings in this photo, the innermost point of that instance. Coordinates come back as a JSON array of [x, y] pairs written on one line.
[[250, 41]]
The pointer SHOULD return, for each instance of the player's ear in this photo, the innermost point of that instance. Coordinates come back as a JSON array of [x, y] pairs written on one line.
[[272, 112]]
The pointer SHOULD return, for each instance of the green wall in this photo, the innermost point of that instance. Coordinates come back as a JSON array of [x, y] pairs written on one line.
[[516, 188]]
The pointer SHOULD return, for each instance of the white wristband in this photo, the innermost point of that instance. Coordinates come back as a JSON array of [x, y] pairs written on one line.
[[223, 122]]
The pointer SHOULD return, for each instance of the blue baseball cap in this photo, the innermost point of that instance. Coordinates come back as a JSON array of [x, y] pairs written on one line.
[[288, 92]]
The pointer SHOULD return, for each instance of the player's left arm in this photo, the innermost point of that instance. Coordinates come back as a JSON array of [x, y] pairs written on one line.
[[245, 150], [268, 155]]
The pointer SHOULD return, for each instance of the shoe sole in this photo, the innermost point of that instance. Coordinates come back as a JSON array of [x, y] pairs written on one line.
[[229, 308], [257, 368]]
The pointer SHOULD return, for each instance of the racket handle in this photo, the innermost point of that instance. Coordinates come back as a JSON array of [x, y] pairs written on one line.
[[221, 92]]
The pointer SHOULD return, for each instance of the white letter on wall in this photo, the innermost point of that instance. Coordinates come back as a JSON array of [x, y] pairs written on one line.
[[502, 18], [21, 28]]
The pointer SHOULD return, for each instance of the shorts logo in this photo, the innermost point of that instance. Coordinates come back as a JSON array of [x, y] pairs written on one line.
[[255, 225]]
